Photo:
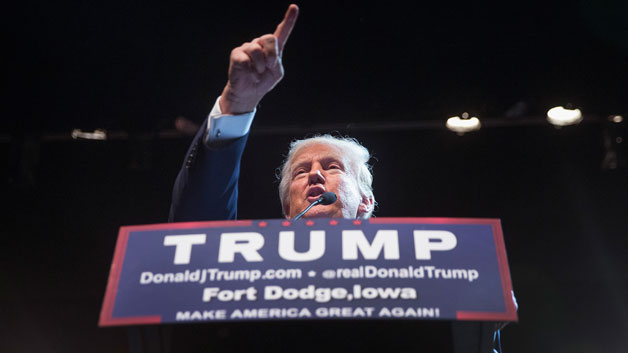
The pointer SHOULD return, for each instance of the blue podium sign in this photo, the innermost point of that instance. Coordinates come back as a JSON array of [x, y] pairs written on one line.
[[381, 268]]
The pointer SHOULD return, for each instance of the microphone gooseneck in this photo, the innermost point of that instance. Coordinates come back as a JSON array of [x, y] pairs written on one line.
[[327, 198]]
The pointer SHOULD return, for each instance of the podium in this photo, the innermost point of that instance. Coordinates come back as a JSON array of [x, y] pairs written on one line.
[[383, 284]]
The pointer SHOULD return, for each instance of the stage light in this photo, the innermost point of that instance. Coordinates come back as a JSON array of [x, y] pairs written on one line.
[[98, 134], [616, 118], [461, 125], [560, 116]]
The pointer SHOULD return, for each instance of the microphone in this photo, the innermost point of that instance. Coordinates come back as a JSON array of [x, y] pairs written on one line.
[[327, 198]]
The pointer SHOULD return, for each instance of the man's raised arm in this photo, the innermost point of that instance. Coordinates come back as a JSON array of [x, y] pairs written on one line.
[[207, 185]]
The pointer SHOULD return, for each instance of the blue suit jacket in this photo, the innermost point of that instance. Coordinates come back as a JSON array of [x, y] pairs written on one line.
[[207, 185]]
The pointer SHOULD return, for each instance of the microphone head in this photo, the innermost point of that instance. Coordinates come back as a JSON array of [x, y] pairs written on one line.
[[327, 198]]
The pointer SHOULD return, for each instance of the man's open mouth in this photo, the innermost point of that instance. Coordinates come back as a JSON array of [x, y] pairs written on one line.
[[315, 192]]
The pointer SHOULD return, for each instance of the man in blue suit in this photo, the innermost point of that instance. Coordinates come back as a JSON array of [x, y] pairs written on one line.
[[207, 185]]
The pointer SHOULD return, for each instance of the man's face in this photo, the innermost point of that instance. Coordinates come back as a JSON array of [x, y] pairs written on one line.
[[319, 168]]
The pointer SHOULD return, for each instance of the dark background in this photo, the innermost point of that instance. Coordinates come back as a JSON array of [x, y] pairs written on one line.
[[388, 74]]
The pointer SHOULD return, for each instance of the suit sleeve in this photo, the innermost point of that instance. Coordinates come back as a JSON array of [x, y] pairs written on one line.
[[207, 185]]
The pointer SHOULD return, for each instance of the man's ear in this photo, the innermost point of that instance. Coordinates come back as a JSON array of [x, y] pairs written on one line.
[[366, 206], [286, 211]]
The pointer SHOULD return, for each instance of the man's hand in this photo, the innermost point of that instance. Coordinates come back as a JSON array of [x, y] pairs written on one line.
[[255, 68]]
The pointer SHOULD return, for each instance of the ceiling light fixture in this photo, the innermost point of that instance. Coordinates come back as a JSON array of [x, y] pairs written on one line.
[[464, 124], [560, 116]]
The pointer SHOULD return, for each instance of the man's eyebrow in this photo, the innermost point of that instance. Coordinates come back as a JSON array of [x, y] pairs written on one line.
[[300, 163], [325, 160], [329, 159]]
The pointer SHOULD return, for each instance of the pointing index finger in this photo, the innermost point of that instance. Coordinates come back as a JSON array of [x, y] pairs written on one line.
[[285, 27]]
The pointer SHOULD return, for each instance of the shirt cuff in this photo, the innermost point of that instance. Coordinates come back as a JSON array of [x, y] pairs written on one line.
[[223, 127]]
